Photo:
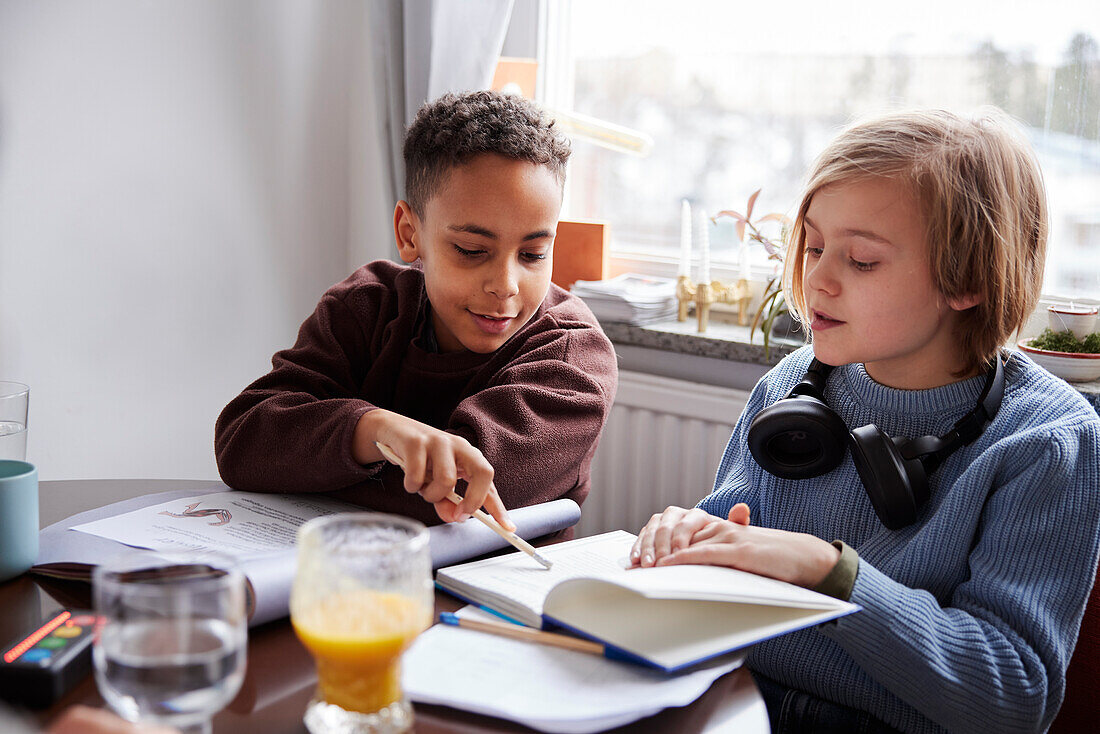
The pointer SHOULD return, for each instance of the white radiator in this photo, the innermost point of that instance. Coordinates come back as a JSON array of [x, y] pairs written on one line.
[[661, 447]]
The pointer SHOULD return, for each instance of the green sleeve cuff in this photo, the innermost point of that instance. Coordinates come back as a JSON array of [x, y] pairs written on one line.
[[842, 578]]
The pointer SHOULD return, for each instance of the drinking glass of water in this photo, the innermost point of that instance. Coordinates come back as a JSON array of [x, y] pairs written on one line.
[[14, 398], [171, 643]]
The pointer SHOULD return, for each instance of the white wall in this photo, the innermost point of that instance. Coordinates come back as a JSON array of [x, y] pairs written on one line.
[[174, 183]]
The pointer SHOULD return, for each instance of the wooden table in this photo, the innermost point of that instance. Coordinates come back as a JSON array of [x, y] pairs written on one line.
[[281, 678]]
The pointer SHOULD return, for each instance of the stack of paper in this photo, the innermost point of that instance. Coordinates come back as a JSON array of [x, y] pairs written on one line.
[[548, 688], [634, 299]]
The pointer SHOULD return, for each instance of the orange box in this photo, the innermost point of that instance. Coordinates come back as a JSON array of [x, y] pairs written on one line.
[[581, 251], [513, 70]]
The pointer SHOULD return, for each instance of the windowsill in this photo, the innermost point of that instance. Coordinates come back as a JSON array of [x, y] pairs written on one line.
[[723, 356], [720, 341]]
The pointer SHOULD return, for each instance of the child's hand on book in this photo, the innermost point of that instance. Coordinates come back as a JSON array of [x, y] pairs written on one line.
[[667, 532], [679, 536], [434, 461]]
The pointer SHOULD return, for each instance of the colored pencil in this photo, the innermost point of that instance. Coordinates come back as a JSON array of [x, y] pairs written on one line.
[[520, 632]]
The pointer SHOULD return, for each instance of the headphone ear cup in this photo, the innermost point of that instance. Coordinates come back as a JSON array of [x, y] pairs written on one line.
[[892, 482], [797, 438]]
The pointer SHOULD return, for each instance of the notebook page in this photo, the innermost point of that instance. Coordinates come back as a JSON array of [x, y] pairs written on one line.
[[516, 577], [718, 583]]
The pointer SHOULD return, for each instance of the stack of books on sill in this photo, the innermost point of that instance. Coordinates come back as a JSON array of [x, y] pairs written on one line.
[[629, 298]]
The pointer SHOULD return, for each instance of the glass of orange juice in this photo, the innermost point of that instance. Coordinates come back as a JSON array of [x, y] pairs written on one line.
[[361, 595]]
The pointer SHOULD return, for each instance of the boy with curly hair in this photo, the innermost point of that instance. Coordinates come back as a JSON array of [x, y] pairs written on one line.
[[467, 362]]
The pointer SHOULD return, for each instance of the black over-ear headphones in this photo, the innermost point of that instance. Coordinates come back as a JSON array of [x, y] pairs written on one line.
[[800, 436]]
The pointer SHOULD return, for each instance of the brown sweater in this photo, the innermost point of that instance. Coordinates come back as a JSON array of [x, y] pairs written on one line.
[[535, 407]]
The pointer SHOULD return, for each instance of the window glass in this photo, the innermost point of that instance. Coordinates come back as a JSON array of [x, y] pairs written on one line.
[[740, 96]]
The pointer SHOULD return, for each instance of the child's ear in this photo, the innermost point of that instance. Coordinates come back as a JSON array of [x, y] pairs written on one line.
[[406, 230], [965, 301]]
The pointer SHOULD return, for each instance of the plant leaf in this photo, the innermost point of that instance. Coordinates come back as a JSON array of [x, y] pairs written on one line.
[[774, 217], [778, 306], [768, 298], [752, 201]]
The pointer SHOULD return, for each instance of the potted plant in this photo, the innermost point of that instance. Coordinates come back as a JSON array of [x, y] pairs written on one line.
[[773, 311]]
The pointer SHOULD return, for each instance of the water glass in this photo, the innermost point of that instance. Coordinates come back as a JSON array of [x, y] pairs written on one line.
[[171, 642], [361, 595], [14, 400]]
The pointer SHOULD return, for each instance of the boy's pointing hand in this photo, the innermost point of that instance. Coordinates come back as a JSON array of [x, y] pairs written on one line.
[[433, 461]]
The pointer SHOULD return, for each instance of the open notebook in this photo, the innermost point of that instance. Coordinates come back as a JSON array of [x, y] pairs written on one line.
[[670, 617]]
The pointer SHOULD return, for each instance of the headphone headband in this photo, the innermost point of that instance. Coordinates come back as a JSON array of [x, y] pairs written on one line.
[[800, 436], [813, 383]]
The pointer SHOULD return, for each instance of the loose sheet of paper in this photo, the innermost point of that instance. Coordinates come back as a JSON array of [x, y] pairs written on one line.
[[240, 523], [546, 688]]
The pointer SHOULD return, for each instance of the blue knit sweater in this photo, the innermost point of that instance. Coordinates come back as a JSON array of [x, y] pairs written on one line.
[[969, 615]]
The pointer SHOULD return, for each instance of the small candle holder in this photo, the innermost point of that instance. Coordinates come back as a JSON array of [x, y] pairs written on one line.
[[704, 295]]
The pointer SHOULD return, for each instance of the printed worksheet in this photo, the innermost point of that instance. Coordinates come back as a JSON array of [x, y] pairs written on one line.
[[239, 523]]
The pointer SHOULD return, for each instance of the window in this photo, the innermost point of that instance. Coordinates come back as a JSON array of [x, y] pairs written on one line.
[[742, 96]]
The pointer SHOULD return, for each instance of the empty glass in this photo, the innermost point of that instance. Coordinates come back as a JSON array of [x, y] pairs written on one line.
[[361, 595], [14, 400], [171, 644]]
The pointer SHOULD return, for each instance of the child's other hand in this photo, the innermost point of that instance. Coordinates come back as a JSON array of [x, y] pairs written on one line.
[[798, 558], [667, 532], [434, 461], [679, 536]]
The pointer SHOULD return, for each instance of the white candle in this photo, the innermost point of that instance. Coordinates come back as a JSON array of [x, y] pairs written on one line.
[[704, 244], [685, 238], [743, 260]]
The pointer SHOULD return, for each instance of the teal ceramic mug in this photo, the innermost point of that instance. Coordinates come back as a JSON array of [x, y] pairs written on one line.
[[18, 517]]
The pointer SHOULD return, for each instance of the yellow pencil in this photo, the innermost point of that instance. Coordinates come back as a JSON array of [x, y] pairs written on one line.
[[520, 632], [493, 525]]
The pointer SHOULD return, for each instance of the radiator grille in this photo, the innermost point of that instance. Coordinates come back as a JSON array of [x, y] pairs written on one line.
[[661, 447]]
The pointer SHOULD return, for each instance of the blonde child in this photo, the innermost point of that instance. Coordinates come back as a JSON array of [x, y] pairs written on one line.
[[960, 480]]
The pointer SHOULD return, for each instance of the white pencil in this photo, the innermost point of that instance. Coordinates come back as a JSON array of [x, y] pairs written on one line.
[[493, 525]]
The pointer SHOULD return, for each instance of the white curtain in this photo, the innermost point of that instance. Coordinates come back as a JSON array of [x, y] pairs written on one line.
[[420, 49]]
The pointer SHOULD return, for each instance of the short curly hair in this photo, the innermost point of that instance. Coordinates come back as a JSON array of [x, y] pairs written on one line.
[[457, 127]]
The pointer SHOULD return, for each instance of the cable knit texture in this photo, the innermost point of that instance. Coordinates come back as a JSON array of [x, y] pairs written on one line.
[[970, 615]]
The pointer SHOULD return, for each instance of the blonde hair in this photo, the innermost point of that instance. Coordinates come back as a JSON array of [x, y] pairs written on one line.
[[981, 193]]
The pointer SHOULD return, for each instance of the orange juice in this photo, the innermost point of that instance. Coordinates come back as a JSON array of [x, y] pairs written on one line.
[[356, 638]]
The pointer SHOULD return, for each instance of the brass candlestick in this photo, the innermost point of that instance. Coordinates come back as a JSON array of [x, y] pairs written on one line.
[[703, 295]]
